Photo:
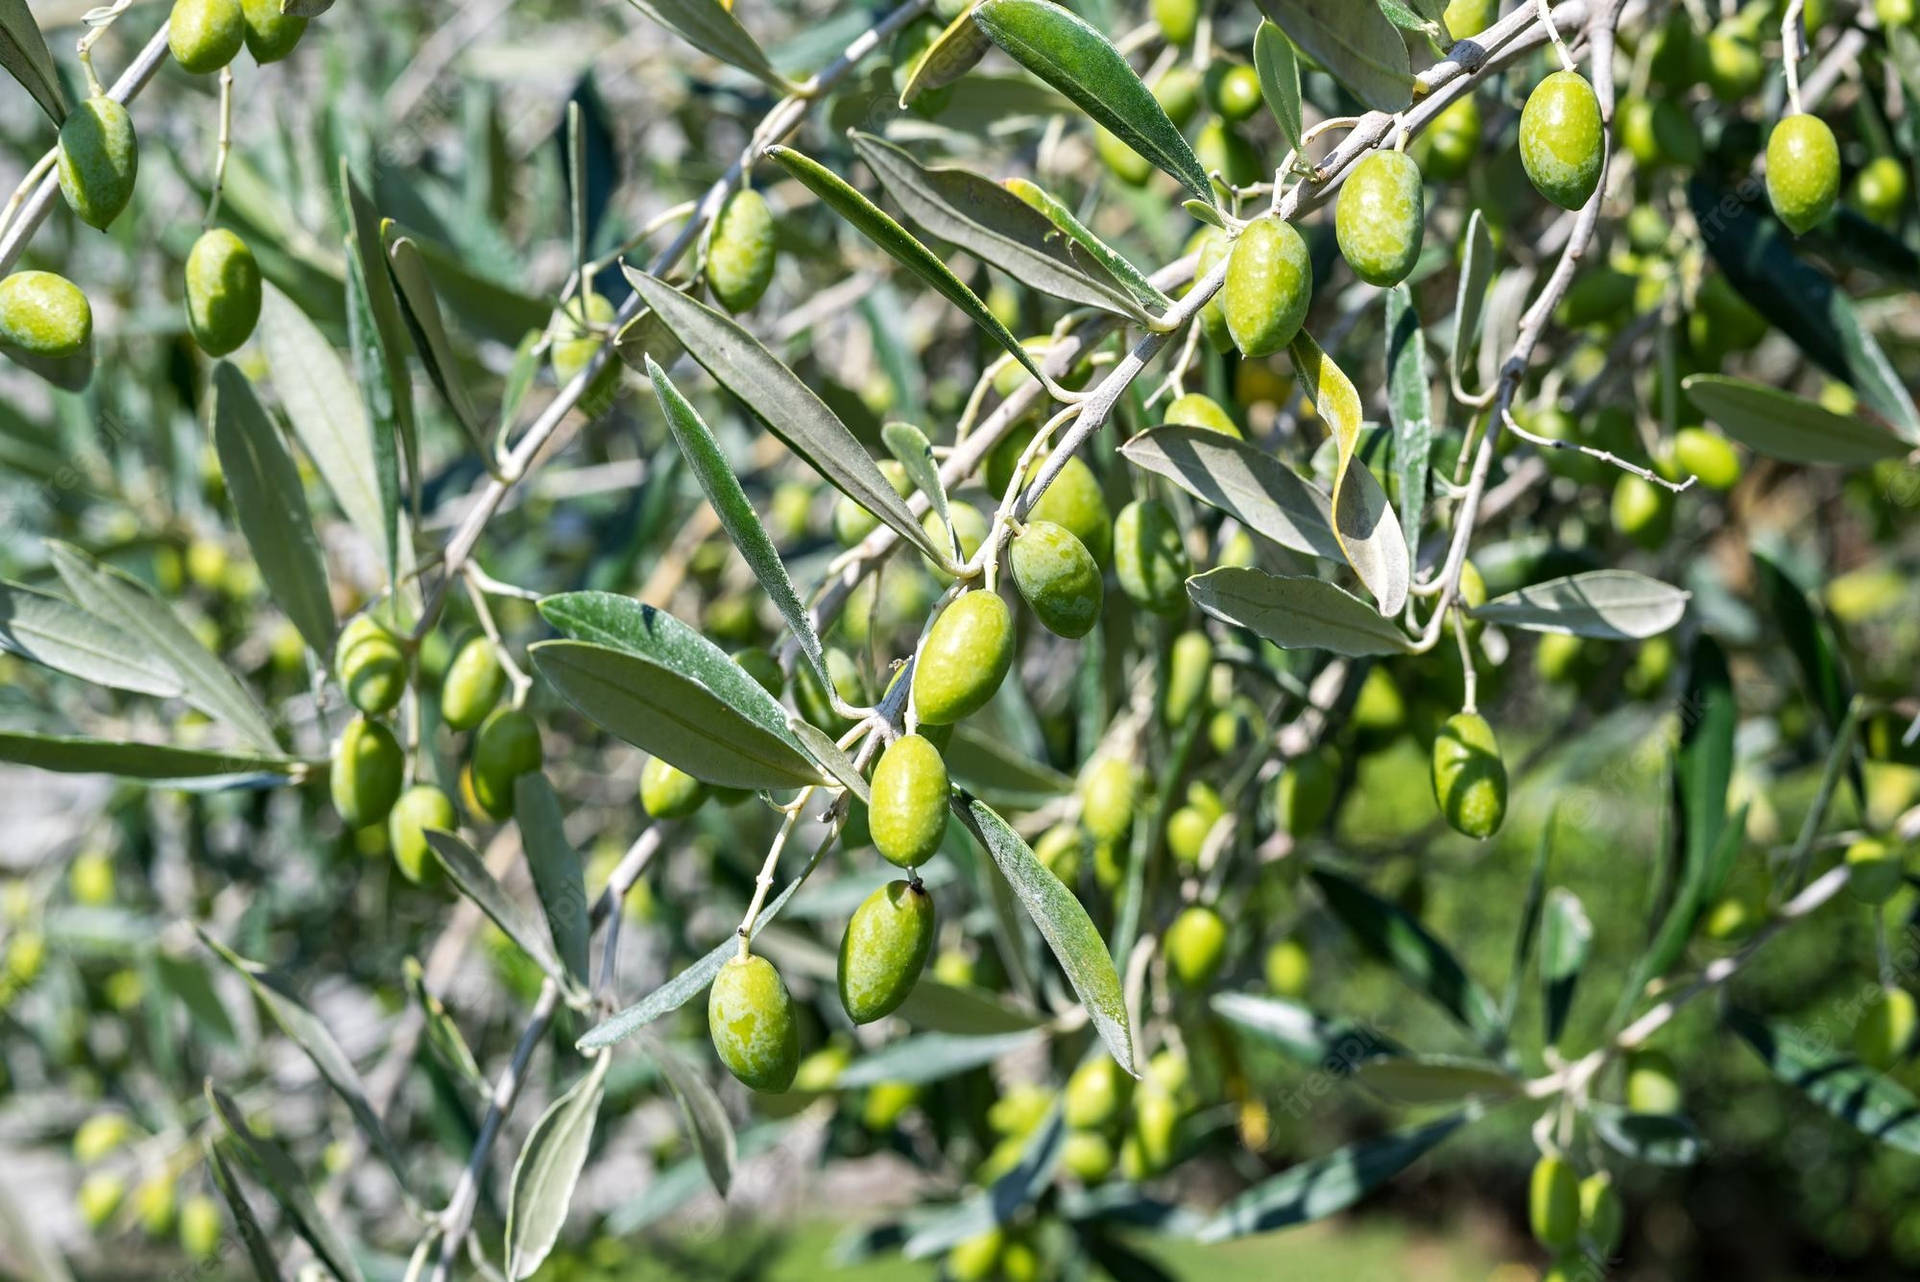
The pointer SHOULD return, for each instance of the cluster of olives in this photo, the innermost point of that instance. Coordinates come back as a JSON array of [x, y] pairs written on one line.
[[153, 1204], [46, 322], [1569, 1214]]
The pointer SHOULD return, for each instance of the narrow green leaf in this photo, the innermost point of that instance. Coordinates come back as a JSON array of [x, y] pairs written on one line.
[[1710, 715], [1302, 1033], [933, 1057], [1136, 282], [186, 978], [134, 609], [380, 357], [1566, 935], [961, 1010], [555, 865], [1246, 482], [1279, 70], [370, 371], [988, 765], [1613, 605], [1327, 1185], [706, 1118], [245, 1223], [1528, 932], [710, 27], [1296, 613], [1076, 59], [1872, 1103], [838, 765], [736, 513], [1410, 406], [264, 484], [547, 1170], [443, 1036], [1435, 1079], [66, 754], [312, 1037], [471, 877], [1063, 923], [788, 407], [1658, 1139], [24, 53], [289, 1187], [997, 227], [901, 245], [60, 635], [1476, 271], [1356, 45], [1391, 936], [914, 452], [420, 308], [1784, 426], [1363, 520], [1809, 636]]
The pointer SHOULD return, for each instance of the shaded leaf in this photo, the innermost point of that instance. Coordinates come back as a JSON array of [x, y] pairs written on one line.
[[1354, 42], [1872, 1103], [73, 755], [1566, 936], [1476, 270], [547, 1170], [470, 875], [990, 765], [420, 309], [380, 355], [706, 1118], [1363, 520], [245, 1223], [1613, 605], [60, 635], [283, 1179], [24, 53], [1784, 426], [969, 1012], [1410, 406], [1244, 481], [555, 865], [1003, 1200], [1296, 613], [954, 52], [1132, 278], [1302, 1033], [1658, 1139], [1391, 936], [711, 28], [838, 765], [1279, 70], [914, 452], [1434, 1079], [1810, 637], [933, 1057], [443, 1036]]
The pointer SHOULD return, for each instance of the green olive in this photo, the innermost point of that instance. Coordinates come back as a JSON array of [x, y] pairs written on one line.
[[506, 746], [1187, 830], [578, 328], [1466, 18], [100, 1135], [885, 949], [1177, 19], [420, 808], [970, 526], [1156, 1121], [1106, 799], [668, 792], [223, 291], [1707, 455], [975, 1259], [368, 769], [1122, 161], [1603, 296], [1659, 132], [740, 251], [474, 682], [1076, 503], [1058, 578], [90, 878], [1880, 189], [1453, 140], [1233, 90], [1288, 968], [1224, 150], [201, 1228], [910, 47], [1269, 285], [1196, 946], [1653, 1083], [1059, 849], [964, 659], [853, 523], [99, 1196], [1380, 218], [908, 813], [1803, 171], [1730, 63], [1553, 1202], [1213, 247], [1642, 511], [1875, 870], [1303, 792], [810, 695], [1096, 1093], [271, 34], [1196, 409], [1884, 1035], [1562, 139], [1602, 1217], [751, 1019], [1469, 777], [1087, 1156], [45, 318], [99, 159], [205, 35], [1150, 557], [371, 665], [885, 1104], [1893, 13], [1189, 665], [1178, 93]]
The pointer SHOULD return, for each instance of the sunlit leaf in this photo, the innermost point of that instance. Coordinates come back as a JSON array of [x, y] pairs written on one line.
[[1870, 1102], [50, 631], [1354, 42], [24, 53], [1363, 520], [548, 1169], [555, 865], [1246, 482], [1784, 426], [1613, 605], [1296, 613]]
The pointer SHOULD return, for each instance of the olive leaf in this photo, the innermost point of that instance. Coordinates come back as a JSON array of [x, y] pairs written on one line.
[[1356, 44], [420, 308], [1870, 1102], [788, 407], [1410, 406], [914, 452], [131, 607], [988, 765], [469, 874], [1784, 426], [821, 747], [1076, 59], [1279, 70], [997, 227], [245, 1223], [1527, 933], [934, 1056], [1816, 651], [379, 338], [547, 1170], [67, 754], [1001, 1201], [54, 632], [711, 28], [1658, 1139], [1476, 271], [1363, 520], [312, 1037], [24, 53], [1434, 1079], [1296, 612], [1612, 605], [1566, 936], [670, 1189], [1327, 1185], [305, 8], [706, 1117], [284, 1180], [730, 504], [555, 865], [954, 52], [264, 483], [877, 226], [961, 1010], [1301, 1033], [1116, 264], [1246, 482], [443, 1035], [1063, 923]]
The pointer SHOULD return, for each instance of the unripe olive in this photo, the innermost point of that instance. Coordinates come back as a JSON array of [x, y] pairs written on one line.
[[1150, 557], [1561, 139], [370, 664], [1659, 132], [90, 878], [740, 253], [271, 34], [420, 808], [1730, 63], [205, 35], [200, 1227], [1212, 246], [964, 658], [1469, 777], [969, 525], [154, 1203], [1653, 1083], [1652, 665], [668, 792], [1880, 189], [99, 1196], [1707, 455], [1088, 1156], [44, 315], [1122, 161], [1602, 1217], [1059, 849], [1156, 1118], [1642, 511], [1380, 218], [1884, 1035], [474, 682], [1379, 710], [1177, 19], [577, 328], [1875, 870], [1894, 13], [1076, 503], [851, 522], [886, 1102], [1303, 792], [99, 1135], [1733, 918], [910, 46], [1196, 409], [506, 746], [1177, 91], [1222, 149], [1196, 946], [908, 814], [1647, 229], [751, 1020], [1465, 18], [1269, 285], [223, 291], [1553, 1202], [885, 949], [1096, 1093], [1189, 663], [1187, 830], [975, 1259], [1057, 576], [1106, 799], [99, 160], [1234, 91], [1288, 968], [811, 696], [764, 668], [368, 768], [1452, 140], [1803, 171]]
